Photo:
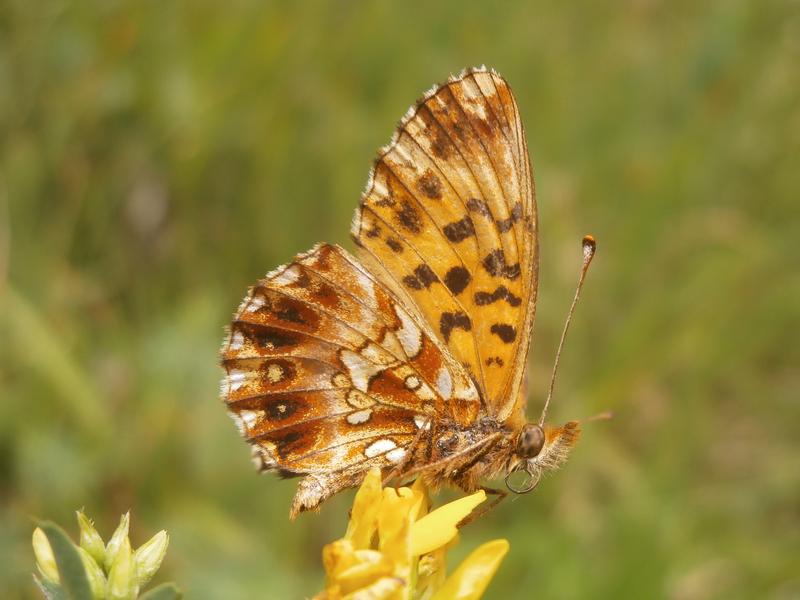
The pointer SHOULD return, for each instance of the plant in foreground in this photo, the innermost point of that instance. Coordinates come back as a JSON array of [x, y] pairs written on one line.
[[394, 549], [93, 570]]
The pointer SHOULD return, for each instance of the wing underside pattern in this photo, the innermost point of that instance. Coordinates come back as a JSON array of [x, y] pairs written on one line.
[[326, 372], [335, 365], [448, 221]]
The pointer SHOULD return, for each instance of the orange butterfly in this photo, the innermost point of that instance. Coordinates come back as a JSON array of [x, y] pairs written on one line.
[[413, 357]]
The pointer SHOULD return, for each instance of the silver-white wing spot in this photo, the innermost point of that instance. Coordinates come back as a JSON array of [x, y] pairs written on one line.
[[409, 334], [397, 455], [251, 417], [287, 276], [237, 340], [360, 369], [359, 417], [380, 446], [444, 383], [236, 379]]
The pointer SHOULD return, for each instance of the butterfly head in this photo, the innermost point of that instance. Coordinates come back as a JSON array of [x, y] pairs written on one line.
[[540, 448]]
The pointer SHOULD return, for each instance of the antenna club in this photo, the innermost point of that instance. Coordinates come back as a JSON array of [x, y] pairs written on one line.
[[589, 247]]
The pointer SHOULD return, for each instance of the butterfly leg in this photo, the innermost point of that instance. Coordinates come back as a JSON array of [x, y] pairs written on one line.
[[499, 496], [454, 464]]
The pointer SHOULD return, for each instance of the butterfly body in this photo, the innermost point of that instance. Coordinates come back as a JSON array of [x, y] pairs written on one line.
[[411, 356]]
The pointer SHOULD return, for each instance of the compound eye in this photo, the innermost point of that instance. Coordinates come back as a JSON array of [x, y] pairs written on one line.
[[531, 441]]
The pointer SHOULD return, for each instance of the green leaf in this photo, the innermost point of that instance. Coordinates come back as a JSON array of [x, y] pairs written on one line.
[[165, 591], [74, 583]]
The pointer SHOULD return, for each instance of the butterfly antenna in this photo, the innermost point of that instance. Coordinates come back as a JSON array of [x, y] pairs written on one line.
[[589, 246], [606, 415]]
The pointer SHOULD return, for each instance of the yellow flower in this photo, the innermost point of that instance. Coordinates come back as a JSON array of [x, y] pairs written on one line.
[[394, 549]]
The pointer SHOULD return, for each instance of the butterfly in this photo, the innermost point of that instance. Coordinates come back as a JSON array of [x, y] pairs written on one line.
[[411, 357]]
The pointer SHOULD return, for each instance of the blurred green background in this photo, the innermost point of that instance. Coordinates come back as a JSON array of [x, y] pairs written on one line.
[[158, 157]]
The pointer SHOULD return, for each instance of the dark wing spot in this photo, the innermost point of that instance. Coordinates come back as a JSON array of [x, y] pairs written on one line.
[[478, 206], [394, 245], [457, 279], [374, 232], [503, 225], [290, 314], [282, 407], [430, 185], [506, 224], [495, 265], [325, 294], [460, 129], [409, 218], [449, 321], [323, 258], [459, 230], [494, 360], [440, 144], [505, 332], [501, 293], [285, 308], [288, 442], [423, 277], [412, 282], [269, 337], [485, 129]]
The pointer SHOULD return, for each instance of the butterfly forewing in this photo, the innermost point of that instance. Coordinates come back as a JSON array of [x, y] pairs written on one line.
[[448, 221]]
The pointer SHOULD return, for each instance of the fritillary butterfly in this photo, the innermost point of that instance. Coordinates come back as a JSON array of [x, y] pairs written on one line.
[[411, 357]]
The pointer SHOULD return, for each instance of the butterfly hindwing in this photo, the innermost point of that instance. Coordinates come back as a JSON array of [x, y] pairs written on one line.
[[327, 373]]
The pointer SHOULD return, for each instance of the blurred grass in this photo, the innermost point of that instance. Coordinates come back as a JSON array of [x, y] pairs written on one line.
[[156, 158]]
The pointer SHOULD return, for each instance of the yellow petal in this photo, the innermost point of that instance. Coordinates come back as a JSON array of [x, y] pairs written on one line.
[[431, 572], [439, 527], [470, 579], [420, 488], [365, 573], [363, 518], [338, 556], [394, 529], [386, 588]]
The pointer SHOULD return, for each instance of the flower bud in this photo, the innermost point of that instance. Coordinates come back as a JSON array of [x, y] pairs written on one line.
[[116, 542], [90, 539], [44, 556], [149, 556], [122, 583], [94, 574]]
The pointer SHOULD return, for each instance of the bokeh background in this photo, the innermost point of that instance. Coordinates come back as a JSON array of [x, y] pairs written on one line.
[[158, 157]]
